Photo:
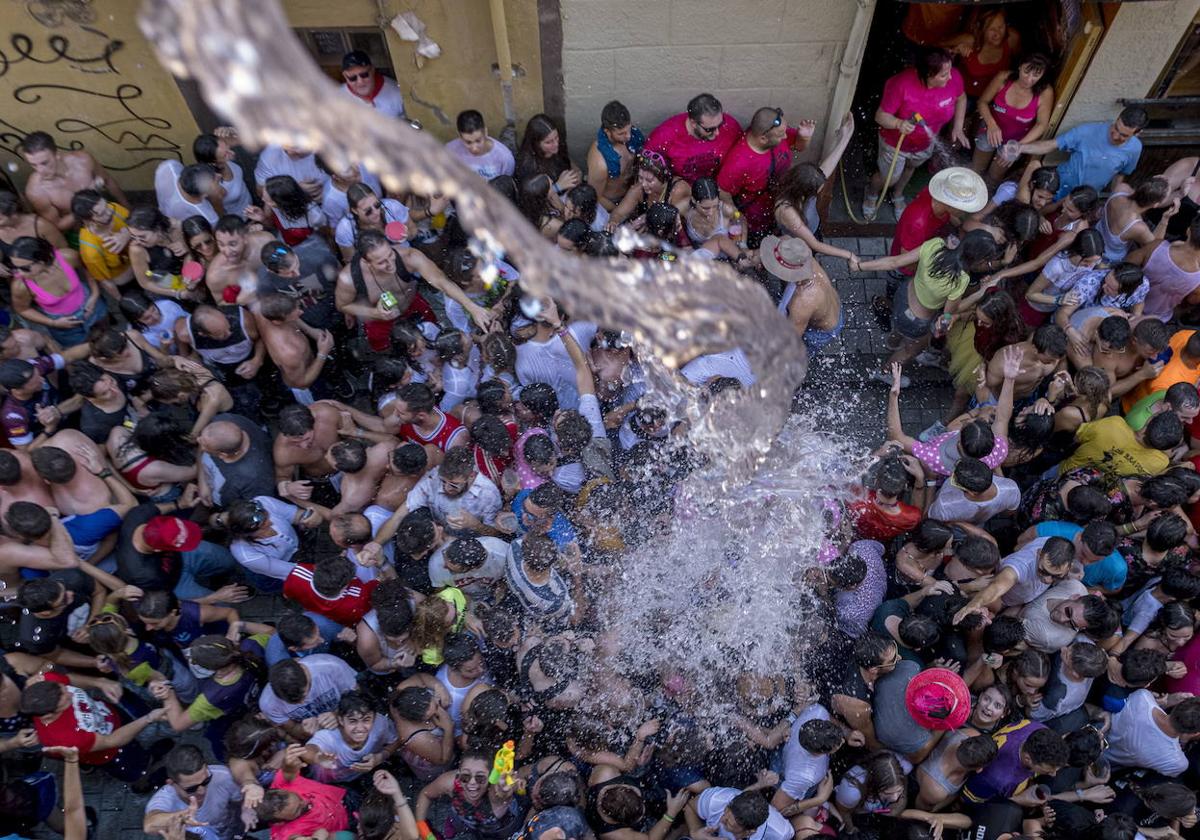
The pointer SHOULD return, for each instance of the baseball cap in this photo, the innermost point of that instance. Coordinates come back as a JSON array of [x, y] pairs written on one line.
[[937, 698], [170, 533], [355, 58]]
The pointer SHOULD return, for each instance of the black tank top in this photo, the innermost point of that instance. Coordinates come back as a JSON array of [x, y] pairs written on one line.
[[405, 276], [163, 260]]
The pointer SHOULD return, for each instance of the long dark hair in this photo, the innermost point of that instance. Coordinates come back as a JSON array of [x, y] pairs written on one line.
[[1038, 60], [163, 436], [288, 196], [973, 249], [529, 156]]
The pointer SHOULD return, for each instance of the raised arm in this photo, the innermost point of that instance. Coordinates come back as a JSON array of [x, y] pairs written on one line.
[[895, 429]]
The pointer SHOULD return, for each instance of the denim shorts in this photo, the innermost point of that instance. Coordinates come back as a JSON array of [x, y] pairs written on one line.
[[913, 159], [905, 322]]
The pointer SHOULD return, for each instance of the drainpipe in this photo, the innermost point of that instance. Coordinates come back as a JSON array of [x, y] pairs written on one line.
[[851, 63], [504, 64]]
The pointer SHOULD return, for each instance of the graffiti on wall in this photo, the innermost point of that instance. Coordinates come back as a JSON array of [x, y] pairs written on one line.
[[79, 90]]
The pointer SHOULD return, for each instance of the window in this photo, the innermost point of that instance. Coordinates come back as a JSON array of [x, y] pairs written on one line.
[[327, 47]]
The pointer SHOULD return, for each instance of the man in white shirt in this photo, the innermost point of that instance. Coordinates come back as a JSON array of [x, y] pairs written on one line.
[[368, 85], [185, 191], [974, 494], [211, 788], [478, 150], [302, 695], [813, 738], [1055, 618], [473, 564], [731, 364], [735, 814], [1145, 735], [301, 164], [458, 496]]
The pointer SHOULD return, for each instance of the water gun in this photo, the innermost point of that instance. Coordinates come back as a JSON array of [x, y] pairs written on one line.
[[424, 831], [503, 764]]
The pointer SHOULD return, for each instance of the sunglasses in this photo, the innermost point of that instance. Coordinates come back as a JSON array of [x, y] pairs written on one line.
[[357, 77], [710, 130], [465, 778], [778, 118], [201, 784]]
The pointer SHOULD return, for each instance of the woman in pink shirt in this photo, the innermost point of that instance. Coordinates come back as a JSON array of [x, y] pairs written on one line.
[[933, 89], [48, 289], [1015, 106]]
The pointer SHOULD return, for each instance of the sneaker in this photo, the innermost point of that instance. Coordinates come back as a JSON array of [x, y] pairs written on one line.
[[869, 205], [936, 430], [886, 378], [931, 358], [899, 202]]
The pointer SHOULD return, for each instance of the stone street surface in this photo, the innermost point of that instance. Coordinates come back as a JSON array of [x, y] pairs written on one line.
[[837, 383]]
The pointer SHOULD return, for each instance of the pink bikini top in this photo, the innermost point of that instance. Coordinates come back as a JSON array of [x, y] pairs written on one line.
[[52, 304]]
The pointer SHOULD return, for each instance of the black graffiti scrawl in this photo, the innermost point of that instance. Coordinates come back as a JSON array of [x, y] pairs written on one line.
[[98, 102]]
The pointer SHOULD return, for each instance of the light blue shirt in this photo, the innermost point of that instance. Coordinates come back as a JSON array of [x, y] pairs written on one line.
[[1108, 573], [1094, 161]]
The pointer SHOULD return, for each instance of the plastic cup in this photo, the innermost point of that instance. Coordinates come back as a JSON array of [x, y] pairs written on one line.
[[396, 231], [192, 271]]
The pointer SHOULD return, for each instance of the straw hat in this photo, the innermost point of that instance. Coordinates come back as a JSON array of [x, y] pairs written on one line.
[[937, 698], [788, 258], [960, 188]]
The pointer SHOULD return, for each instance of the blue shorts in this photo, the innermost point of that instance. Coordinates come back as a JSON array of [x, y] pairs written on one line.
[[88, 530], [815, 340]]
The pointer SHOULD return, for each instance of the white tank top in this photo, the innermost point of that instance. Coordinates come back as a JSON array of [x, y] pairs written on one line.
[[457, 696]]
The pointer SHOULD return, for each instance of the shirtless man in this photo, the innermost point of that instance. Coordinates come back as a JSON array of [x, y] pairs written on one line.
[[19, 480], [362, 467], [809, 299], [1136, 362], [306, 433], [1041, 356], [57, 176], [26, 344], [1099, 341], [237, 260], [405, 466], [611, 176], [286, 338]]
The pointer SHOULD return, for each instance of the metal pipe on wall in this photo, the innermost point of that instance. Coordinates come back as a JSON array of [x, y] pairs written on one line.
[[504, 63], [848, 68]]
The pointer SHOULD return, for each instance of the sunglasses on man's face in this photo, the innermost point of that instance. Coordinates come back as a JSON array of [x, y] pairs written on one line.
[[357, 77], [201, 784]]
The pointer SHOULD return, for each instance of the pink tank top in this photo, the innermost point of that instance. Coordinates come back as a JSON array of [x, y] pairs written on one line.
[[1169, 284], [52, 304], [1014, 123]]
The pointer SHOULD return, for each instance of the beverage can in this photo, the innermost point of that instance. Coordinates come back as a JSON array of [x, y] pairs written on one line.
[[387, 301]]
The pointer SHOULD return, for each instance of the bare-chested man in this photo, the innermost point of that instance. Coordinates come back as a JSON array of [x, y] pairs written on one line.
[[19, 480], [58, 175], [610, 158], [286, 338], [809, 299], [237, 260], [362, 468], [406, 464], [1131, 361], [1041, 357], [306, 433]]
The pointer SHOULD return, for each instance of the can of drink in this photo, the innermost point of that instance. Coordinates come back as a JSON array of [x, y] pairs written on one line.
[[387, 301]]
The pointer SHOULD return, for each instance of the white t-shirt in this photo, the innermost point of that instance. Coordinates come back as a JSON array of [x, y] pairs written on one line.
[[219, 813], [712, 803], [477, 583], [803, 770], [329, 677], [1041, 633], [334, 201], [952, 504], [376, 515], [237, 194], [271, 557], [388, 101], [347, 228], [1066, 695], [274, 161], [491, 164], [732, 363], [171, 201], [1024, 562], [547, 361], [459, 383], [849, 795], [162, 335], [1135, 740], [383, 732], [1141, 608]]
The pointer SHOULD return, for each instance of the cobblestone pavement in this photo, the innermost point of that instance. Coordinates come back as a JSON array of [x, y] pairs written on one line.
[[837, 388]]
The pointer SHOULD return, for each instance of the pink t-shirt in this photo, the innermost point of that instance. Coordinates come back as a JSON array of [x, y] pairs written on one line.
[[905, 94], [529, 479], [751, 178], [1014, 122], [691, 158], [327, 810], [941, 454]]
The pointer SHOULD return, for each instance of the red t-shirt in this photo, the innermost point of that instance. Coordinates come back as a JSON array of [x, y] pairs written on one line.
[[871, 523], [447, 433], [327, 811], [691, 158], [917, 225], [79, 726], [347, 609], [751, 178], [905, 94]]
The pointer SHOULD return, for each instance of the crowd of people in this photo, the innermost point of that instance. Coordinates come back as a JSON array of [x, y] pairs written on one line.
[[286, 381]]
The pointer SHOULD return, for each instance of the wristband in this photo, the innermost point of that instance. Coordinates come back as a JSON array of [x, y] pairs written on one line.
[[668, 818], [104, 473]]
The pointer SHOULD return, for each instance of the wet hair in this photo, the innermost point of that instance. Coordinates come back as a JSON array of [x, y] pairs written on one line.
[[467, 553], [585, 201], [83, 204], [332, 574], [1101, 617], [296, 420], [386, 375], [1164, 431], [1050, 339], [1140, 667], [192, 177], [972, 475], [27, 520], [10, 467], [1151, 192], [1083, 746], [931, 535], [871, 649], [417, 396], [1058, 551], [1045, 178], [1128, 277], [750, 809], [1018, 220], [184, 759], [273, 254], [704, 105], [599, 243], [800, 183], [205, 147], [1115, 331], [1038, 61], [1169, 800], [539, 449], [215, 652], [39, 594], [930, 62], [295, 628], [53, 464], [459, 462], [416, 533], [977, 439], [289, 680], [848, 571], [459, 649], [622, 804], [1166, 532], [250, 737], [1163, 491], [469, 121], [40, 698], [156, 603], [662, 220], [538, 552], [574, 230], [1088, 660], [977, 553], [1186, 716], [532, 200], [919, 632], [1089, 243], [615, 115], [1045, 746], [1100, 537], [354, 703], [705, 189], [1134, 117], [84, 377], [10, 204], [163, 435], [1003, 634], [287, 194], [820, 737], [1187, 479], [541, 401], [491, 435], [410, 458], [37, 141], [976, 751], [276, 306], [32, 248], [411, 703], [148, 218], [1086, 199], [1092, 384], [376, 816], [890, 477], [230, 223], [1179, 582]]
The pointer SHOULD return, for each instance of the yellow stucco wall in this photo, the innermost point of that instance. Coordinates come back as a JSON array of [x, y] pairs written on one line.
[[94, 81], [91, 81]]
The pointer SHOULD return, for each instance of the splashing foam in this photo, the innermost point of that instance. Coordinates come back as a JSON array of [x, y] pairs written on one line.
[[722, 588]]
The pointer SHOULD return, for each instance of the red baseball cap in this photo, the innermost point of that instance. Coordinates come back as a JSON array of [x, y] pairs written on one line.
[[170, 533], [937, 698]]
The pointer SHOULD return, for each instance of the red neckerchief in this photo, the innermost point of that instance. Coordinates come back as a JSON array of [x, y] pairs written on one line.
[[371, 96]]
